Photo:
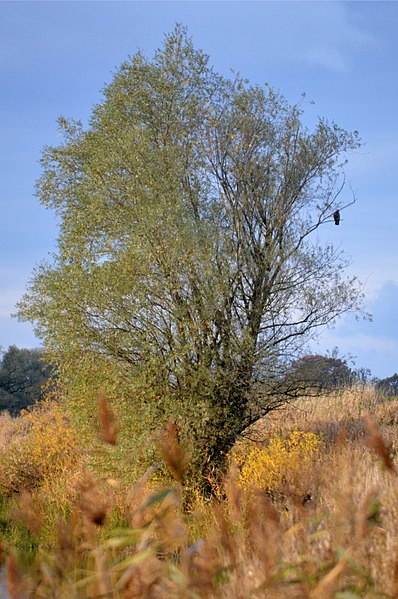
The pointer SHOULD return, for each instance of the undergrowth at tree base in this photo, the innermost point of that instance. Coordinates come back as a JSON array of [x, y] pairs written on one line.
[[301, 512]]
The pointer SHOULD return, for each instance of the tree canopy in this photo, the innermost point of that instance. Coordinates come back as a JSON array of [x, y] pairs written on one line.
[[389, 385], [23, 372], [186, 253], [318, 372]]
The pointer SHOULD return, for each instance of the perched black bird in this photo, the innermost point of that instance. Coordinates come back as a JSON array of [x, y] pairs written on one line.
[[336, 216]]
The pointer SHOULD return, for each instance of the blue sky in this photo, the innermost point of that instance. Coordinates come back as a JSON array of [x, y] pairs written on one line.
[[55, 58]]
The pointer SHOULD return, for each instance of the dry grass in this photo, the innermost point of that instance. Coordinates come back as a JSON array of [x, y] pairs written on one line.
[[333, 533], [330, 415], [12, 431]]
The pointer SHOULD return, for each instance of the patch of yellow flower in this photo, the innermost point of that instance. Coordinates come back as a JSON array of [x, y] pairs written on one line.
[[282, 461]]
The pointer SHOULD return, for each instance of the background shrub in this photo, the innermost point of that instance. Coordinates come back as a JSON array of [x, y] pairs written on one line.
[[42, 448]]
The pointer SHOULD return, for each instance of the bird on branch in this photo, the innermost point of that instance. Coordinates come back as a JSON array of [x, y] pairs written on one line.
[[336, 216]]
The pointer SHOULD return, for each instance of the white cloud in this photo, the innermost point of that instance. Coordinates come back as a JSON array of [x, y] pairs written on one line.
[[361, 342], [374, 343], [373, 281]]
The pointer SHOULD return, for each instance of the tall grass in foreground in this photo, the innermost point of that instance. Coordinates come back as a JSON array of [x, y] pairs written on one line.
[[319, 520]]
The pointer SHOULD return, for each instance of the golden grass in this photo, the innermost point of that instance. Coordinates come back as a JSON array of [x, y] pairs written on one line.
[[12, 431], [327, 530], [36, 448]]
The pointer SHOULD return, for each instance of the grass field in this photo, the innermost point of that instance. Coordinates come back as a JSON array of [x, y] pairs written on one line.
[[308, 509]]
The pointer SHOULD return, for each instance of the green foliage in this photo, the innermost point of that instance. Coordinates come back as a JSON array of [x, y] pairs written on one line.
[[185, 262], [23, 373], [138, 412], [321, 372]]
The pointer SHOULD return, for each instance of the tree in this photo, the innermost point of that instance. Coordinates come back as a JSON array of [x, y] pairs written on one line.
[[321, 373], [185, 253], [389, 385], [23, 372]]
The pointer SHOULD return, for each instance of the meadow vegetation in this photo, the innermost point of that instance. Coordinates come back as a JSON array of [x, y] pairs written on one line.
[[308, 508]]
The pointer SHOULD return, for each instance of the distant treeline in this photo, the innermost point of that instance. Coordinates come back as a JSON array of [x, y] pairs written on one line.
[[334, 372], [388, 386], [23, 373]]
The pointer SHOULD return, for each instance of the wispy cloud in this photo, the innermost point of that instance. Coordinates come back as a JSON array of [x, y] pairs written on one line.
[[328, 34], [375, 159], [374, 342], [312, 34], [362, 342]]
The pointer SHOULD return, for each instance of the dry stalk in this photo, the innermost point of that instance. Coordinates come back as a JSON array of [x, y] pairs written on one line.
[[93, 502], [376, 442], [324, 588], [106, 419], [14, 580], [28, 513], [368, 514], [174, 456]]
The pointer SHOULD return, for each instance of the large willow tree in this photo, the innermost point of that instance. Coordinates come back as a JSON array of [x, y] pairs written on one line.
[[187, 212]]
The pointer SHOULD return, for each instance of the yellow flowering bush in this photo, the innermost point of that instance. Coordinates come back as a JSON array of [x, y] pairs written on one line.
[[283, 461]]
